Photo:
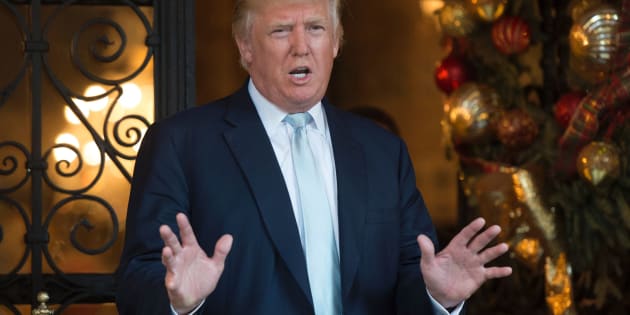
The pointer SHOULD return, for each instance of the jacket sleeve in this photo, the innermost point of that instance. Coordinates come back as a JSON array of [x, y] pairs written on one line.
[[411, 294], [158, 193]]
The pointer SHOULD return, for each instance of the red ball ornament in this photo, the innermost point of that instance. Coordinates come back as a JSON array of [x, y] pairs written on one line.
[[516, 129], [451, 73], [565, 107], [511, 35]]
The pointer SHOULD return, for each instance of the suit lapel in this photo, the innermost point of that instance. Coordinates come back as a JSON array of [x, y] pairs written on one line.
[[253, 151], [351, 192]]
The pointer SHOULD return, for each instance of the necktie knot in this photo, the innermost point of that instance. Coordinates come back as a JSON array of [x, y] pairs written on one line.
[[298, 120]]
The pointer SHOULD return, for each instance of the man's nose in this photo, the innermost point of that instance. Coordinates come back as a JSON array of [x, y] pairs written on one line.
[[299, 43]]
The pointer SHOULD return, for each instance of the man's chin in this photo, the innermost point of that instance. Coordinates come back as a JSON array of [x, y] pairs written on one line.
[[304, 101]]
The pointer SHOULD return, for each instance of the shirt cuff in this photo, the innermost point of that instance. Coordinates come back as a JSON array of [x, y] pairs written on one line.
[[191, 312], [438, 309]]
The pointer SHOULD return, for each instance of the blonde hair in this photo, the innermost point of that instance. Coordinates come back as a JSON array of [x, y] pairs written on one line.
[[243, 11]]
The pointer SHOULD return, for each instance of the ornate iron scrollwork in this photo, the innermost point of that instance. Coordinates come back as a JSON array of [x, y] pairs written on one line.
[[37, 188]]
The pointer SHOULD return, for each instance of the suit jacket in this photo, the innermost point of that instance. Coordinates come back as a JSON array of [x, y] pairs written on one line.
[[216, 164]]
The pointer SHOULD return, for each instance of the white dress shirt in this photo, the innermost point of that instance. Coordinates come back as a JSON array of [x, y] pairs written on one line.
[[280, 134], [318, 134]]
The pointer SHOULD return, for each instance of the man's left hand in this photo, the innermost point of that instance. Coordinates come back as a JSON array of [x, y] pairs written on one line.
[[454, 274]]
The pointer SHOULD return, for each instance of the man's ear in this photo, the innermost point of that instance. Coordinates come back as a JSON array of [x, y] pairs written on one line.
[[245, 49], [338, 42]]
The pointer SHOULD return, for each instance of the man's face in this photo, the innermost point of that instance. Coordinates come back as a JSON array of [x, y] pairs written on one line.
[[290, 51]]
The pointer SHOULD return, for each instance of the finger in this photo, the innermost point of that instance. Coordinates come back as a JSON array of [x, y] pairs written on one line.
[[170, 282], [222, 249], [186, 231], [498, 272], [493, 252], [170, 239], [168, 260], [482, 240], [468, 232], [427, 249]]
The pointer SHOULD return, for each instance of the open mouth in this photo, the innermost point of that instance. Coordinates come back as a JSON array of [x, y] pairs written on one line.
[[300, 72]]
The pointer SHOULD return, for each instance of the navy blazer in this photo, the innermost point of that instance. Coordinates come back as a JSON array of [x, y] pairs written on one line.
[[216, 164]]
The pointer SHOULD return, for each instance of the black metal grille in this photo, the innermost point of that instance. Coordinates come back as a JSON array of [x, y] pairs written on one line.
[[26, 168]]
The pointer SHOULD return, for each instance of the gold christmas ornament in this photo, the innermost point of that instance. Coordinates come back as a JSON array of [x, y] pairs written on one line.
[[585, 70], [599, 162], [470, 111], [456, 20], [578, 7], [593, 36], [487, 10]]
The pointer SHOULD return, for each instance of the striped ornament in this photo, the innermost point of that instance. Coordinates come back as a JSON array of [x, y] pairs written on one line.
[[511, 35]]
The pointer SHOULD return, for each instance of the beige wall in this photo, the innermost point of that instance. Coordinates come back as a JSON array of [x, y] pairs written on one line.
[[388, 59]]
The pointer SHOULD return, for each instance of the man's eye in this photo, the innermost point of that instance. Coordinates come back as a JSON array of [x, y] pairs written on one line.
[[279, 31]]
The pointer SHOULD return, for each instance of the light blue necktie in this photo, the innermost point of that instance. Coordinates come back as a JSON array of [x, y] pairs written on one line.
[[320, 247]]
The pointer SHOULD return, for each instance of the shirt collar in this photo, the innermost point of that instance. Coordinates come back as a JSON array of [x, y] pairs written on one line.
[[272, 116]]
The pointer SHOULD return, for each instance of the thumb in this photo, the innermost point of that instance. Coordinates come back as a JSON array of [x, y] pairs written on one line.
[[222, 248], [427, 249]]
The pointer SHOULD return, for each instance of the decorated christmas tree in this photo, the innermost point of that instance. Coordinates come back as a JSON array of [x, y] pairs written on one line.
[[537, 113]]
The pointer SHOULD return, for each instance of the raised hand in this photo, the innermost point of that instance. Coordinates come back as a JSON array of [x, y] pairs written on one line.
[[185, 263], [455, 273]]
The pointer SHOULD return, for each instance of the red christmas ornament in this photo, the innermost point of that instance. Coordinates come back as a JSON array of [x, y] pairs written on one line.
[[511, 35], [565, 107], [451, 73], [516, 129]]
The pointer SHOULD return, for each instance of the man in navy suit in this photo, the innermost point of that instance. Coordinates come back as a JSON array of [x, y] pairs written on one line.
[[219, 179]]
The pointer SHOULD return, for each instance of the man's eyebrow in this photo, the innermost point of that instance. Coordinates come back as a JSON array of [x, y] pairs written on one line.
[[316, 20], [282, 24]]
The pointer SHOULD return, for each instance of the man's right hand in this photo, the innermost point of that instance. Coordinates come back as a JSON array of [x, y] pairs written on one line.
[[190, 274]]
